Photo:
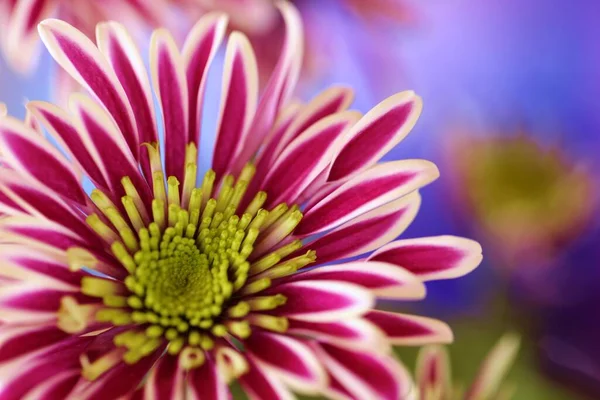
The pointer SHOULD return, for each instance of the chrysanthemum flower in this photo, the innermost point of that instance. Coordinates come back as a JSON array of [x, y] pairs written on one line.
[[434, 378], [156, 285], [517, 185]]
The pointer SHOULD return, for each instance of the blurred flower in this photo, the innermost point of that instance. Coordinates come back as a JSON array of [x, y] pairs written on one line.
[[327, 25], [194, 286], [525, 200], [434, 378], [2, 109]]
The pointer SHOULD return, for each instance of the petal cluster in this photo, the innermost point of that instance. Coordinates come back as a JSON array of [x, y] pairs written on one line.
[[292, 227]]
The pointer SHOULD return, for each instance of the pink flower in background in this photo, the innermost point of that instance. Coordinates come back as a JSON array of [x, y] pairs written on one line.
[[434, 378], [156, 286]]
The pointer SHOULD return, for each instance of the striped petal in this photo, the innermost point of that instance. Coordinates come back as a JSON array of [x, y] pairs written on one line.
[[368, 232], [366, 375], [354, 333], [410, 330], [375, 134], [170, 86], [383, 280], [433, 376], [17, 341], [367, 191], [166, 380], [116, 159], [305, 158], [38, 160], [21, 36], [238, 102], [494, 368], [293, 361], [120, 50], [319, 301], [78, 146], [198, 52], [207, 384], [55, 387], [261, 384], [439, 257], [326, 103], [279, 87], [78, 55]]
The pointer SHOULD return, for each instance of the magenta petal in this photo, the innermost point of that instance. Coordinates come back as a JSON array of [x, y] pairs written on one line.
[[120, 50], [61, 128], [166, 380], [367, 375], [305, 158], [323, 300], [375, 134], [289, 358], [367, 232], [385, 280], [280, 85], [207, 384], [367, 191], [238, 105], [198, 51], [412, 330], [170, 85], [433, 371], [440, 257], [83, 61], [260, 384], [16, 341], [354, 333], [34, 157]]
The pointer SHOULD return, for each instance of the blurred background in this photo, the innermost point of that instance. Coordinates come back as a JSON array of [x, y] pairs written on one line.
[[512, 117]]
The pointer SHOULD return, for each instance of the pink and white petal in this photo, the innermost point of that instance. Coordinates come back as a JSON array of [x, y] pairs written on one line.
[[494, 368], [375, 134], [370, 189], [382, 279], [56, 387], [261, 384], [21, 36], [431, 258], [326, 103], [238, 101], [410, 330], [120, 50], [21, 264], [79, 147], [166, 380], [320, 301], [279, 87], [433, 374], [354, 333], [22, 303], [170, 85], [78, 55], [198, 51], [39, 201], [18, 341], [206, 383], [115, 157], [366, 375], [368, 232], [120, 380], [305, 158], [28, 154], [290, 359], [32, 123]]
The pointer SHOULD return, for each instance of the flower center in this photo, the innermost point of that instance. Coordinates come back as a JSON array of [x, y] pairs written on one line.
[[194, 266]]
